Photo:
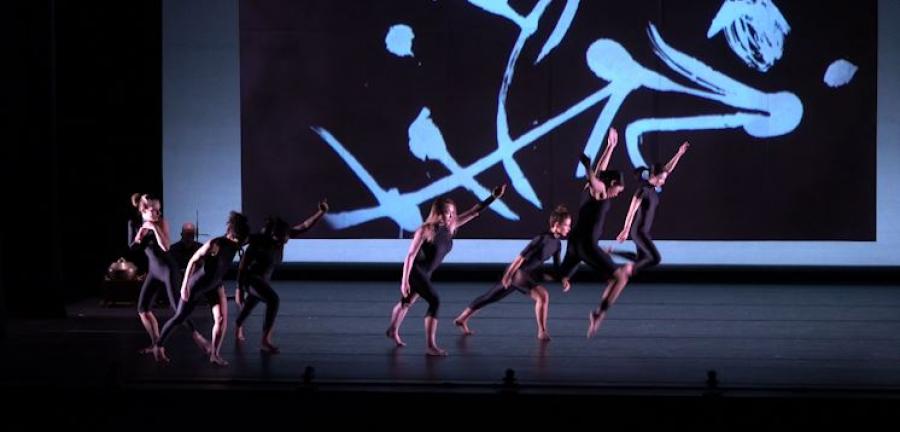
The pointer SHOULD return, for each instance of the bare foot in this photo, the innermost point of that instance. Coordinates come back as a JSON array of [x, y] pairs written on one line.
[[593, 324], [463, 327], [435, 351], [201, 342], [395, 335], [239, 334], [159, 354], [217, 360], [544, 336], [268, 347]]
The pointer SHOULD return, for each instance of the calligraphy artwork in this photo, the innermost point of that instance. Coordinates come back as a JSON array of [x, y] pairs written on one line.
[[385, 112]]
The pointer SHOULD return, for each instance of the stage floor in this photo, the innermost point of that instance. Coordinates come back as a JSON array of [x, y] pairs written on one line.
[[659, 339]]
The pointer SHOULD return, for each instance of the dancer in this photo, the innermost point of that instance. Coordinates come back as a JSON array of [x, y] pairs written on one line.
[[603, 185], [525, 274], [642, 211], [203, 279], [152, 236], [430, 244], [264, 253]]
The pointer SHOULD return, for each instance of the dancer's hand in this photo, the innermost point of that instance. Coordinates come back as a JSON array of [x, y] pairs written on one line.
[[323, 205], [147, 225], [622, 237], [404, 288], [684, 148], [499, 191], [566, 284], [613, 137], [506, 282], [185, 294]]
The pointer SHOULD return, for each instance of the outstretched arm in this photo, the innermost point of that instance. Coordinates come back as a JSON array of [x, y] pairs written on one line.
[[670, 166], [304, 226], [475, 211], [611, 141]]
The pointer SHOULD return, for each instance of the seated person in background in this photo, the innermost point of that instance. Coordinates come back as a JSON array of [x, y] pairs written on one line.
[[184, 249]]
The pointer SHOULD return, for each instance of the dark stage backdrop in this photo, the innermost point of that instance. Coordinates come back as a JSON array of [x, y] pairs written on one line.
[[384, 105]]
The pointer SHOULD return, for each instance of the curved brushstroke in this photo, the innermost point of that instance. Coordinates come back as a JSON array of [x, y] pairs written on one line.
[[404, 211], [504, 141], [765, 114], [562, 27], [427, 143], [758, 113], [440, 186], [502, 8]]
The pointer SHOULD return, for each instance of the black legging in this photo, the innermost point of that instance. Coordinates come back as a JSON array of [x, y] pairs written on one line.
[[647, 255], [591, 254], [169, 278], [420, 283], [184, 311], [259, 289], [521, 282]]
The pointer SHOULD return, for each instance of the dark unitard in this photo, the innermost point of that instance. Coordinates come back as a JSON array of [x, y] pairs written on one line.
[[647, 255], [162, 271], [263, 254], [584, 237], [431, 255], [204, 281], [529, 274]]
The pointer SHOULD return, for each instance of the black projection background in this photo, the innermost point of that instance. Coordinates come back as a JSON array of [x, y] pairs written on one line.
[[316, 69]]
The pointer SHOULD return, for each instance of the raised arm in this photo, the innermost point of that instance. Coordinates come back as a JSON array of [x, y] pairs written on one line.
[[304, 226], [611, 141], [597, 188], [414, 247], [475, 211], [670, 166]]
